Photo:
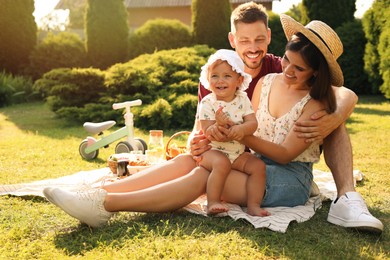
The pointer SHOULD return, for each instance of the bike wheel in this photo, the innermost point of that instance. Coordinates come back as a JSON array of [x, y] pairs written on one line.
[[123, 147], [141, 145], [87, 156]]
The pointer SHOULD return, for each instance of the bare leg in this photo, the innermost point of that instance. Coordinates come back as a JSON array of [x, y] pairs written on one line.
[[338, 157], [170, 170], [167, 196], [255, 184], [220, 166]]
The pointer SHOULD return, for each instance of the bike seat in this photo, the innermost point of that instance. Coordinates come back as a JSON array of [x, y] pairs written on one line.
[[95, 128]]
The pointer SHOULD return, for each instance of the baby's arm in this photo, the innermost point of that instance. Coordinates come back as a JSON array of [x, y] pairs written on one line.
[[248, 127], [223, 119]]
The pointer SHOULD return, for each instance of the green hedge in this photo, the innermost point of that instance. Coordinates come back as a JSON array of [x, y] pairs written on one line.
[[64, 50], [166, 82], [159, 34]]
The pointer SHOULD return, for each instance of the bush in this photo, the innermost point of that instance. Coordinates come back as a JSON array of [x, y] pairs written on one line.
[[18, 34], [384, 54], [278, 38], [183, 111], [71, 87], [106, 32], [156, 115], [64, 50], [15, 89], [211, 22], [351, 61], [159, 34]]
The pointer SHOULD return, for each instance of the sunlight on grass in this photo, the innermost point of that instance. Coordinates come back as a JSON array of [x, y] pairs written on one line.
[[35, 145]]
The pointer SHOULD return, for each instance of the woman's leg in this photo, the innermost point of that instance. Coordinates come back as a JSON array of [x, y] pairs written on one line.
[[167, 171], [164, 197]]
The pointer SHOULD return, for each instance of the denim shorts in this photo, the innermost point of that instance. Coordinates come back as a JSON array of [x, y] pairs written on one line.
[[287, 185]]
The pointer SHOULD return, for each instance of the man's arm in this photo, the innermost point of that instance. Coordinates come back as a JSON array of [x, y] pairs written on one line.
[[321, 124]]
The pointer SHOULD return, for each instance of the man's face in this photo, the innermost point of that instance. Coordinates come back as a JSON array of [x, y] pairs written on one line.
[[251, 42]]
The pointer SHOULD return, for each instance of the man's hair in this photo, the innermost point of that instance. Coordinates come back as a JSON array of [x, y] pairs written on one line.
[[248, 13]]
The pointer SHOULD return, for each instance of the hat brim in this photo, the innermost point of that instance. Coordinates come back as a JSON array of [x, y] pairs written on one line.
[[291, 27]]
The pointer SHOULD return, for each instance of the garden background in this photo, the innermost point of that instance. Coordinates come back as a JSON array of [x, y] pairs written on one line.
[[50, 86]]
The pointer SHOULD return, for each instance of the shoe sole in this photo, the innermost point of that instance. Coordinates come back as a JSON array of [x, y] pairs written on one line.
[[362, 226]]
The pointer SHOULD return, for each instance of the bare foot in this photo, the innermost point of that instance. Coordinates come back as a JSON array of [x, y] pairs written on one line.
[[215, 208], [257, 211]]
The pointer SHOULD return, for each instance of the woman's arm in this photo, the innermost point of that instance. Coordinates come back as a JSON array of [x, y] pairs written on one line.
[[321, 124], [291, 147]]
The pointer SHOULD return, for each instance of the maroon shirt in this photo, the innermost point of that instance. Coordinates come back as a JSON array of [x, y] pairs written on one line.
[[271, 64]]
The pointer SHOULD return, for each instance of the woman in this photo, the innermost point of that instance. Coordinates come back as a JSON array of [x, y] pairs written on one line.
[[309, 71]]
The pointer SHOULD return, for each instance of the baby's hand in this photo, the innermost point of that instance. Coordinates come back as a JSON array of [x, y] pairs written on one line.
[[236, 132], [222, 118]]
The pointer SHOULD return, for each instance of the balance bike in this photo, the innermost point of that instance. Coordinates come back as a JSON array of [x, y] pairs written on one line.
[[89, 147]]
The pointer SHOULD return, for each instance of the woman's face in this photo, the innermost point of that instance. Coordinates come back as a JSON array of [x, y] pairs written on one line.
[[295, 69], [224, 82]]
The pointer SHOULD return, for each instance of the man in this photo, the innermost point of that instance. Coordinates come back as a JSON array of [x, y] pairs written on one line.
[[250, 37]]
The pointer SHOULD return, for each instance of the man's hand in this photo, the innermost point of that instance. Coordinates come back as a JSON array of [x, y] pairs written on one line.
[[199, 144], [319, 127]]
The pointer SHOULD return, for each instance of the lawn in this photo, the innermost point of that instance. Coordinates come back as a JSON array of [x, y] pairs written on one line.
[[35, 145]]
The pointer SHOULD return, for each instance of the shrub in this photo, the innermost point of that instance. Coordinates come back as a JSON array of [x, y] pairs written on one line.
[[384, 54], [18, 34], [159, 34], [15, 89], [211, 22], [156, 115], [107, 32], [183, 111], [71, 87], [166, 82], [278, 38], [351, 61], [64, 50]]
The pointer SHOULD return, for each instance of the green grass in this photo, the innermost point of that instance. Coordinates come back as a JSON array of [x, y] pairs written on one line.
[[34, 145]]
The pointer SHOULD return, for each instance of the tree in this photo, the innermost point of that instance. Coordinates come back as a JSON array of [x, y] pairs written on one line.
[[107, 32], [332, 12], [374, 24], [211, 22], [18, 34]]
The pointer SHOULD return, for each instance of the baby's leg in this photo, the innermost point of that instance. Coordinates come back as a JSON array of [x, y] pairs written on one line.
[[219, 166], [255, 185]]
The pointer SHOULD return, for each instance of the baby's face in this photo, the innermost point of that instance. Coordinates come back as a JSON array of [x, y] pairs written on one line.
[[224, 81]]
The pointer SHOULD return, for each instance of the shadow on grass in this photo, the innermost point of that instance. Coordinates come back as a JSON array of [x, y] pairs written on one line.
[[299, 241], [37, 118]]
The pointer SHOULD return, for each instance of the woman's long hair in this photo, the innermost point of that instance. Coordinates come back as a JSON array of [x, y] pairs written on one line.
[[321, 86]]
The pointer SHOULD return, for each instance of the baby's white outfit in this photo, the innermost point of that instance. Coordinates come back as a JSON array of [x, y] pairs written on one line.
[[236, 109]]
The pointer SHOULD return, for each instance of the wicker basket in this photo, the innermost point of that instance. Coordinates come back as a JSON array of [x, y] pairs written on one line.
[[172, 150], [112, 163]]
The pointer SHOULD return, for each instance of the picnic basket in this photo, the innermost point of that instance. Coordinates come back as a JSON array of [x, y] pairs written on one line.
[[172, 149]]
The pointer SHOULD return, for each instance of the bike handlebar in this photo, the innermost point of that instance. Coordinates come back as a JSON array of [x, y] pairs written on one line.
[[126, 104]]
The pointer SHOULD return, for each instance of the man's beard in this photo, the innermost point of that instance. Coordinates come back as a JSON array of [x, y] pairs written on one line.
[[255, 66]]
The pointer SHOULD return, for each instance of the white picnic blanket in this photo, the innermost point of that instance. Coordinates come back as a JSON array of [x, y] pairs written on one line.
[[279, 220]]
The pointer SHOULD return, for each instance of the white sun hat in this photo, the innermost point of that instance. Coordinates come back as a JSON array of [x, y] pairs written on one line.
[[233, 59]]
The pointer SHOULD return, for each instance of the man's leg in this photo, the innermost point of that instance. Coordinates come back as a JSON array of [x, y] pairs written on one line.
[[349, 209], [338, 156]]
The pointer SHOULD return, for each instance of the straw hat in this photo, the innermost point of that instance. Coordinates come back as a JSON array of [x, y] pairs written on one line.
[[233, 59], [324, 38]]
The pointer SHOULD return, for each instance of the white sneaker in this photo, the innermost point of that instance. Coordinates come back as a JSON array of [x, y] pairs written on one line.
[[86, 205], [351, 211]]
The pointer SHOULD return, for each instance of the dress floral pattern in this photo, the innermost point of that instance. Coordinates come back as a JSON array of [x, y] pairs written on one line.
[[276, 129]]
